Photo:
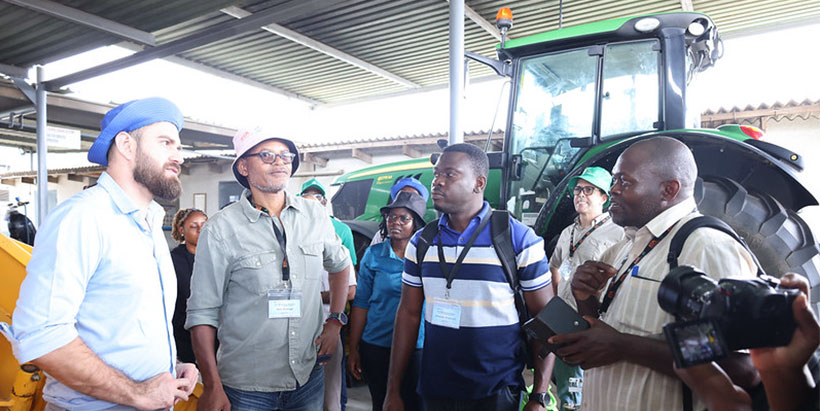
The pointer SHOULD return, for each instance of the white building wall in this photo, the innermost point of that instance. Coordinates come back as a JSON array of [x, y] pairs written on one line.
[[802, 137], [205, 178]]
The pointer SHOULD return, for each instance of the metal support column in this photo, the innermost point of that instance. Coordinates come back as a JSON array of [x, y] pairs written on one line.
[[456, 69], [42, 148]]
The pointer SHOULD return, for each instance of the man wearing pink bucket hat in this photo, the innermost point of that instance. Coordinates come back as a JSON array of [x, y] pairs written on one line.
[[256, 284]]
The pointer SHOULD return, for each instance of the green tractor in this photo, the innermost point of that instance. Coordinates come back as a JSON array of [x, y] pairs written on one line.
[[579, 97]]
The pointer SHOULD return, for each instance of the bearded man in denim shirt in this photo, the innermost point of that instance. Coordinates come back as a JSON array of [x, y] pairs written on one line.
[[95, 308]]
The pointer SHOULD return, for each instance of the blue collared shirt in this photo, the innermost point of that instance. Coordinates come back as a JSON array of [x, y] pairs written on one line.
[[486, 352], [100, 270], [379, 292]]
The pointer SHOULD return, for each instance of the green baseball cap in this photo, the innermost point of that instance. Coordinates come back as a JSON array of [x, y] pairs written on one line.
[[314, 183], [596, 176]]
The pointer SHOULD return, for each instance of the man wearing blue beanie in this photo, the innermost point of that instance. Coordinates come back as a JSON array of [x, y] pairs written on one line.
[[95, 308]]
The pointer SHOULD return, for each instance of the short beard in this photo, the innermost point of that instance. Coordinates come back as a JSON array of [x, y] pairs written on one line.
[[166, 188], [259, 183], [267, 189]]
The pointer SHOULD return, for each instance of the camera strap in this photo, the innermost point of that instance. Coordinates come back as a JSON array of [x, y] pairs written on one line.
[[572, 248], [619, 279]]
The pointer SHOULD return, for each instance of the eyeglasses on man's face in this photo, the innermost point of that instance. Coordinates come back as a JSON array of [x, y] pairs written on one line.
[[269, 157], [587, 190], [404, 219], [317, 196]]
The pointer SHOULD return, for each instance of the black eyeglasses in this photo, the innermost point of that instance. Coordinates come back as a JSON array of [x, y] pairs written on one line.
[[404, 219], [270, 157], [317, 196], [587, 190]]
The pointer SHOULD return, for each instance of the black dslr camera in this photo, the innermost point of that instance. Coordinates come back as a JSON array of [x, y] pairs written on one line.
[[715, 318]]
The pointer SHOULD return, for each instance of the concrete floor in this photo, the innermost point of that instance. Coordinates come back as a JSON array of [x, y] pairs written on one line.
[[358, 396]]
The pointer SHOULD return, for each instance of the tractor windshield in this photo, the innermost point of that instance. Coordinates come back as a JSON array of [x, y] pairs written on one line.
[[557, 100]]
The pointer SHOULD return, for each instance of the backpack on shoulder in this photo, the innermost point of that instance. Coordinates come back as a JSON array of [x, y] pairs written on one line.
[[502, 243]]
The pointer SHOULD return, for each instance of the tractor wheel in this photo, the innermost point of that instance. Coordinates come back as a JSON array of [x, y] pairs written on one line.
[[780, 239]]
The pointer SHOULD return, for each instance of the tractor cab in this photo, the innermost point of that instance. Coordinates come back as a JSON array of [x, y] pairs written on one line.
[[581, 87]]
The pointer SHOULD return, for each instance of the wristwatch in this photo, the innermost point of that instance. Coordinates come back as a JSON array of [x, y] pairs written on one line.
[[341, 318], [541, 398]]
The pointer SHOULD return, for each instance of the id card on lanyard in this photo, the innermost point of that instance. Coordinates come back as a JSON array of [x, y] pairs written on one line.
[[446, 312], [284, 303]]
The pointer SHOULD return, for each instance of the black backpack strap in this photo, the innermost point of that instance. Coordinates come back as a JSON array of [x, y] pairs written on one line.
[[680, 237], [675, 248], [502, 242], [425, 240]]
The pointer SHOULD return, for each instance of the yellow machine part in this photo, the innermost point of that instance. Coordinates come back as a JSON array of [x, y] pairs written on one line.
[[21, 390], [14, 256]]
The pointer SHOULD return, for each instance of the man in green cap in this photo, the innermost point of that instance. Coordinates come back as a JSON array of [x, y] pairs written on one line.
[[585, 239], [335, 392], [315, 190]]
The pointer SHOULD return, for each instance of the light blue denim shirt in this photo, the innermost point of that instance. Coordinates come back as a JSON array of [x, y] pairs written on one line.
[[101, 271]]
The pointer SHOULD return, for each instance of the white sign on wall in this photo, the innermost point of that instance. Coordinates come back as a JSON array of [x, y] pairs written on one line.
[[63, 137]]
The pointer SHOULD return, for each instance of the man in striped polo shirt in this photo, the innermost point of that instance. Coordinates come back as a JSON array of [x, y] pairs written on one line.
[[474, 350]]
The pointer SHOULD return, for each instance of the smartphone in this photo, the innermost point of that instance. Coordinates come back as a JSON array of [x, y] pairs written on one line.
[[695, 342], [323, 358], [557, 317]]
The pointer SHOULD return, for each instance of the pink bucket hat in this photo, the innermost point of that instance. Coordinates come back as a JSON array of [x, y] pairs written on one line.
[[245, 140]]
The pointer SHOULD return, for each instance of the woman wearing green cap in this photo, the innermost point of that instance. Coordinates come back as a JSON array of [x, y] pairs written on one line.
[[586, 238]]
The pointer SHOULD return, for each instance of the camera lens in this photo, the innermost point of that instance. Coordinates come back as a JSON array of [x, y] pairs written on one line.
[[681, 292]]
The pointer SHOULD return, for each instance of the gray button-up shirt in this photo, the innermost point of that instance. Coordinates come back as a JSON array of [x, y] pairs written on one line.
[[238, 260]]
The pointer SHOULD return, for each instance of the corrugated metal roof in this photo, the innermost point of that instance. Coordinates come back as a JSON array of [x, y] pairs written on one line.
[[810, 105], [406, 38], [760, 114], [28, 37]]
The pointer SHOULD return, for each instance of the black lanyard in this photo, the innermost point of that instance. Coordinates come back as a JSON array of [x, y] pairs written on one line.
[[572, 248], [283, 242], [616, 283], [442, 261], [281, 238]]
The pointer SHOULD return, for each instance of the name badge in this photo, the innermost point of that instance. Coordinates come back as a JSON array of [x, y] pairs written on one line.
[[284, 304], [446, 314], [565, 270], [576, 384]]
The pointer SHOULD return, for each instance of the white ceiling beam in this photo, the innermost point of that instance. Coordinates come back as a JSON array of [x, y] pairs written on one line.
[[686, 5], [314, 159], [13, 71], [411, 152], [306, 41], [361, 155], [86, 19], [484, 24]]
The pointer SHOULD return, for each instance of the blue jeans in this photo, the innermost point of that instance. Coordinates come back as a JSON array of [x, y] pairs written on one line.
[[506, 399], [308, 397], [563, 373]]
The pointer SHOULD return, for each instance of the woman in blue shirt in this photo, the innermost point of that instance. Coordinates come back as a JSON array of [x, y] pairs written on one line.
[[377, 299]]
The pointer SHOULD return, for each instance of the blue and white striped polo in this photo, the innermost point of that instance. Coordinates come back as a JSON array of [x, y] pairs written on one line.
[[486, 352]]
